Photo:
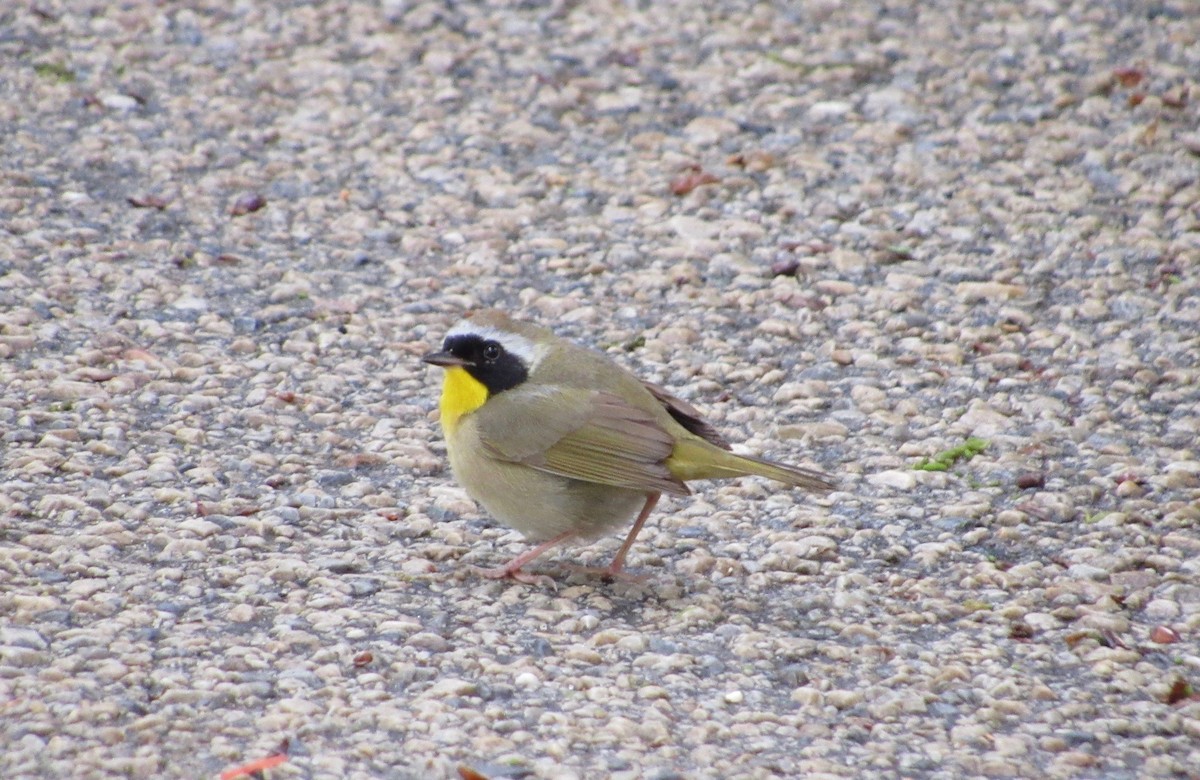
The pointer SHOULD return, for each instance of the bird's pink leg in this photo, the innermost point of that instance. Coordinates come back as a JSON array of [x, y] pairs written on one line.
[[618, 562], [512, 569]]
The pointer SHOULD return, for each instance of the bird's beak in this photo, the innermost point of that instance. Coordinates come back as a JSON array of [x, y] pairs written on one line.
[[445, 360]]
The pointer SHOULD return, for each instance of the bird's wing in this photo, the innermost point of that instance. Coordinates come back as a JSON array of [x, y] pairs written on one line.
[[582, 434], [687, 415]]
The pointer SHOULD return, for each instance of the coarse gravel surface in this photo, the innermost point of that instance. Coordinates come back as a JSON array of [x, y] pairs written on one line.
[[854, 233]]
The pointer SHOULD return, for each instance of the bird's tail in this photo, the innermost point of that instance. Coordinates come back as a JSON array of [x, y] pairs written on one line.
[[697, 459]]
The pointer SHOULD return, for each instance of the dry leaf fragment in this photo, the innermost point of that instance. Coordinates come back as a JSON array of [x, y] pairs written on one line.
[[147, 202], [467, 773], [1077, 637], [1181, 690], [787, 267], [1129, 77], [1031, 479], [255, 768], [246, 203], [755, 161], [1022, 632], [1176, 97], [690, 179]]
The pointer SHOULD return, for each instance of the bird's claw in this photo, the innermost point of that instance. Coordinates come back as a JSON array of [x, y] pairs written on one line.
[[506, 572]]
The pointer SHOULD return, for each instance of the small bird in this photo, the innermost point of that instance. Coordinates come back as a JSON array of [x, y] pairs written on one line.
[[559, 442]]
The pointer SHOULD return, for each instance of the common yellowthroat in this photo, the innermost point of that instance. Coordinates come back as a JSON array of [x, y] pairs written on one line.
[[558, 441]]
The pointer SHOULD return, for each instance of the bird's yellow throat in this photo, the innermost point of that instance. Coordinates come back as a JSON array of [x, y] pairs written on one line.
[[461, 394]]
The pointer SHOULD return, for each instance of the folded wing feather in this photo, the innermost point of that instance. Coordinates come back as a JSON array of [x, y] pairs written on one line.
[[581, 434]]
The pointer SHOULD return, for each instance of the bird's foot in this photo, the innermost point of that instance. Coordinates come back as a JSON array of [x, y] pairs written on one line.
[[515, 573], [607, 573]]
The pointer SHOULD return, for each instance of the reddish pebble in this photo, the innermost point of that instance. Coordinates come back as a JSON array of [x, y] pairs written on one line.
[[1164, 635]]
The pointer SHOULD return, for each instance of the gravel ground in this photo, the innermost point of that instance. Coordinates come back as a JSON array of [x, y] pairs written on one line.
[[855, 233]]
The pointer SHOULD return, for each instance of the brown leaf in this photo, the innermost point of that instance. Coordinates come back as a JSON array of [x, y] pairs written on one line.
[[1022, 632], [693, 177], [1176, 98], [147, 202], [246, 203], [1031, 479], [755, 161], [1077, 637], [787, 267], [255, 768], [1109, 638], [1180, 689], [1129, 77], [467, 773]]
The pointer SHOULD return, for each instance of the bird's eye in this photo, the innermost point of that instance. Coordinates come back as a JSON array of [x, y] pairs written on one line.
[[491, 352]]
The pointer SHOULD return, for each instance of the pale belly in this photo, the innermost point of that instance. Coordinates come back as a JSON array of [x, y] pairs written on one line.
[[540, 505]]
